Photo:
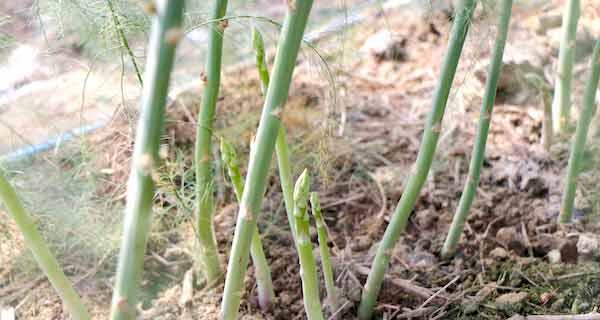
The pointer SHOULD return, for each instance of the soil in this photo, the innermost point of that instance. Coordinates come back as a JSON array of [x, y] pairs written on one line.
[[359, 141]]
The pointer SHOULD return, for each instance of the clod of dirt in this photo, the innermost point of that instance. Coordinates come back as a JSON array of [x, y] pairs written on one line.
[[510, 300], [511, 239], [568, 251], [584, 42], [588, 246], [499, 253], [547, 22], [385, 46]]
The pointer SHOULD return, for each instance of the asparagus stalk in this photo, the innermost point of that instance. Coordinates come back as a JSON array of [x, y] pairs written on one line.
[[262, 152], [485, 117], [416, 180], [281, 146], [545, 93], [209, 255], [324, 251], [561, 105], [578, 146], [308, 267], [165, 33], [264, 283], [41, 253]]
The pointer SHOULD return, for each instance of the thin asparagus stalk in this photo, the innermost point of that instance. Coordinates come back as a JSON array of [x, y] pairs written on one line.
[[41, 253], [281, 146], [209, 255], [485, 117], [166, 32], [561, 105], [262, 152], [264, 283], [589, 108], [545, 93], [324, 251], [308, 266], [416, 180]]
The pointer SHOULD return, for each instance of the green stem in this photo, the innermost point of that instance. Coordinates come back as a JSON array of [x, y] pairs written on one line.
[[165, 33], [417, 178], [281, 147], [262, 152], [124, 42], [324, 251], [561, 106], [589, 108], [264, 282], [485, 117], [41, 253], [308, 266], [209, 255]]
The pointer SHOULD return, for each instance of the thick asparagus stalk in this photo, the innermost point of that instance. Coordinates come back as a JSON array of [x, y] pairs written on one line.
[[264, 283], [589, 108], [416, 180], [209, 255], [561, 106], [324, 251], [262, 151], [485, 117], [165, 33], [41, 253], [281, 146], [308, 266]]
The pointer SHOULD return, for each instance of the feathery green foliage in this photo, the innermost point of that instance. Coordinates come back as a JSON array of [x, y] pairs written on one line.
[[578, 145], [166, 32], [209, 255], [264, 282], [485, 117], [41, 253], [262, 152], [417, 178]]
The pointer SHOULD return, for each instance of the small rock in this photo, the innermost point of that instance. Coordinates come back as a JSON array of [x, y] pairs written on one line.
[[510, 299], [499, 253], [506, 235], [558, 304], [385, 46], [588, 245], [554, 256]]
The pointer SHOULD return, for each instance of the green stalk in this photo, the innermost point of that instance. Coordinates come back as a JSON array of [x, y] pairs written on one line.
[[324, 251], [545, 93], [417, 178], [262, 152], [561, 106], [589, 108], [485, 116], [281, 147], [308, 266], [41, 253], [264, 282], [166, 32], [209, 255]]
